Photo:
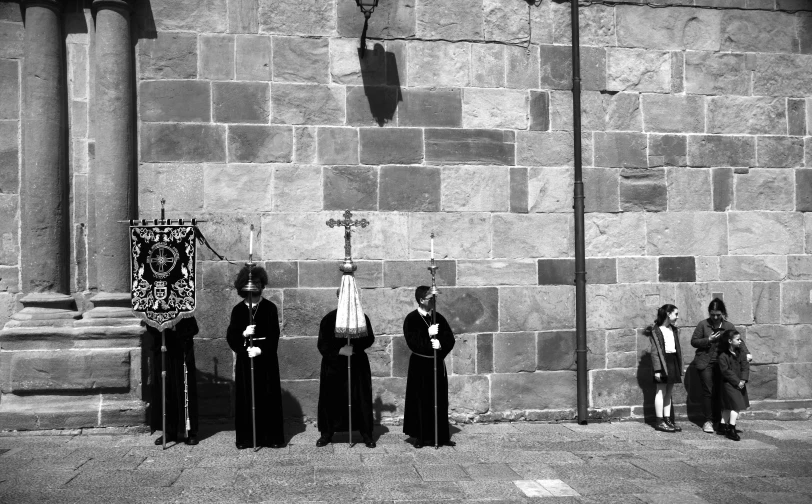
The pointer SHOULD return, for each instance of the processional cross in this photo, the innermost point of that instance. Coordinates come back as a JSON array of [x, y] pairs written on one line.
[[348, 223]]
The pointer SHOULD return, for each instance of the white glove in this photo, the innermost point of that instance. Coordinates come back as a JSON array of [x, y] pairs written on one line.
[[749, 358], [435, 344], [346, 351], [249, 331], [254, 351], [433, 329]]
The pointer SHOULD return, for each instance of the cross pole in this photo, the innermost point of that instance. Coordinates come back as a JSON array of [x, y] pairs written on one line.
[[348, 224]]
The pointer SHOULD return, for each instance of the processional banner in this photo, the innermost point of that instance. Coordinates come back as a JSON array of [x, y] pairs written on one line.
[[162, 260]]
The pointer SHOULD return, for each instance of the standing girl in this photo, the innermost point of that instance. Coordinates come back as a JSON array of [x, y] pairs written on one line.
[[735, 371], [666, 361]]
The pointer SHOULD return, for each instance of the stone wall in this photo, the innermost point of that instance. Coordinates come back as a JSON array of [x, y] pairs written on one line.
[[697, 144]]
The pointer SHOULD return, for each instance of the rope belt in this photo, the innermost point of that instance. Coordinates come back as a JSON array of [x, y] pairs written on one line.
[[445, 371]]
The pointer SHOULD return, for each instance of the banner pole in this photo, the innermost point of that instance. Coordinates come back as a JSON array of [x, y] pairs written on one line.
[[163, 387]]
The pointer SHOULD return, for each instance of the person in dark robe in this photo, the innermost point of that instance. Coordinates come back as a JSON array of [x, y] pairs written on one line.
[[268, 392], [333, 403], [179, 349], [423, 338]]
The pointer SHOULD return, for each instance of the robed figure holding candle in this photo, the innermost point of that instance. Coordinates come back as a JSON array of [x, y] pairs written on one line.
[[267, 390]]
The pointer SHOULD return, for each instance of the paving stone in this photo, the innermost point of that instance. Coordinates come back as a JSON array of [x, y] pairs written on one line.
[[241, 102], [171, 55], [260, 144], [391, 146], [299, 59]]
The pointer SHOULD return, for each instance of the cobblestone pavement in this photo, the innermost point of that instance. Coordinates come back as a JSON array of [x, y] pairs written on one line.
[[619, 462]]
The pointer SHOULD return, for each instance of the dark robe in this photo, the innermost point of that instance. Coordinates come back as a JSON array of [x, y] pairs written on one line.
[[268, 392], [179, 347], [418, 417], [333, 410]]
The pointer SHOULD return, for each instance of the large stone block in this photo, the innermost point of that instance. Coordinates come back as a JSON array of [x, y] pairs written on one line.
[[539, 110], [693, 300], [9, 157], [752, 268], [721, 150], [747, 115], [217, 57], [545, 148], [327, 274], [638, 70], [779, 152], [297, 188], [796, 117], [391, 146], [796, 303], [596, 24], [556, 67], [9, 90], [521, 67], [253, 57], [637, 269], [76, 370], [413, 273], [11, 12], [386, 236], [518, 190], [350, 187], [500, 21], [674, 113], [439, 64], [171, 55], [466, 146], [677, 269], [758, 32], [380, 356], [782, 75], [168, 142], [626, 305], [689, 189], [620, 150], [473, 188], [241, 102], [767, 302], [9, 279], [304, 144], [238, 188], [514, 352], [470, 309], [388, 397], [307, 104], [520, 391], [180, 184], [562, 271], [301, 59], [550, 189], [687, 233], [495, 272], [799, 267], [372, 105], [337, 146], [309, 17], [214, 361], [400, 356], [670, 29], [348, 67], [229, 234], [187, 15], [763, 383], [539, 308], [722, 188], [391, 20], [260, 144], [643, 190], [469, 395], [463, 356], [9, 232], [601, 190], [711, 73], [518, 236], [304, 309], [300, 399], [617, 387], [795, 380], [299, 358], [181, 101], [556, 351], [12, 36], [774, 344], [494, 108], [764, 189], [599, 111], [447, 20], [430, 107], [484, 353], [765, 233], [457, 235], [243, 16], [488, 65], [386, 309]]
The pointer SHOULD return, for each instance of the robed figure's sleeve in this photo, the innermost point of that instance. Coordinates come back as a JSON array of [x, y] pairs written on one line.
[[236, 325], [329, 345], [416, 332]]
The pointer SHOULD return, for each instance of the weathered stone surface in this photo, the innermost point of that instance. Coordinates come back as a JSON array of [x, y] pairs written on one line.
[[795, 303], [758, 32], [386, 309], [599, 111], [796, 117], [693, 300], [638, 70], [170, 55], [232, 231], [181, 185], [299, 358], [556, 271], [601, 190], [536, 308], [782, 75], [243, 16], [677, 269], [391, 20], [674, 114], [556, 68], [465, 146], [413, 273], [207, 15], [636, 269], [9, 157], [756, 233], [643, 190], [468, 394], [494, 108], [260, 144], [803, 191], [779, 152], [763, 383], [373, 105], [297, 188], [514, 352], [390, 394], [492, 272], [689, 189], [439, 64], [484, 353], [430, 107], [539, 110], [300, 236], [217, 57], [350, 187], [300, 399], [77, 370], [749, 115], [337, 146], [474, 188], [687, 233], [620, 150], [241, 102], [11, 12], [238, 188], [626, 305], [612, 235], [304, 144], [774, 344], [545, 148], [673, 29], [9, 279], [302, 18], [380, 356], [470, 309], [518, 190], [520, 391], [794, 380], [753, 268], [11, 40], [722, 188], [391, 146], [183, 142], [718, 150], [667, 150], [447, 20], [301, 59], [804, 24], [384, 237], [410, 188], [9, 90], [596, 24], [550, 189], [767, 302], [348, 67], [214, 362], [518, 236], [710, 73], [764, 189], [181, 101], [307, 104], [304, 309], [253, 57], [808, 231], [521, 67], [614, 387], [500, 21], [487, 65]]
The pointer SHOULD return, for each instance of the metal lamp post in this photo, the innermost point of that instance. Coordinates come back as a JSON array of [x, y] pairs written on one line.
[[367, 8]]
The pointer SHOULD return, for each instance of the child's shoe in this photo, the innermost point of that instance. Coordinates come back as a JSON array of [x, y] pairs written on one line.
[[731, 433]]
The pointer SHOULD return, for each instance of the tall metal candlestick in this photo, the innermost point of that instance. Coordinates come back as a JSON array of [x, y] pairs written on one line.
[[434, 292]]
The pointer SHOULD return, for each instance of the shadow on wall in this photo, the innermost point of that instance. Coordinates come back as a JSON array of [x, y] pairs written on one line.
[[645, 380], [144, 21], [691, 383], [379, 72]]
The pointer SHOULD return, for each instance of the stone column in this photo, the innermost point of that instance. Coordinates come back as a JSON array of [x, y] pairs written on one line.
[[43, 189], [112, 175]]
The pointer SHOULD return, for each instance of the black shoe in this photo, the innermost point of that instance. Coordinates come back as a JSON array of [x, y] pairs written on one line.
[[160, 440], [368, 441], [731, 433], [448, 443], [323, 441], [276, 446], [721, 429], [662, 426], [191, 440], [241, 446], [418, 443], [674, 426]]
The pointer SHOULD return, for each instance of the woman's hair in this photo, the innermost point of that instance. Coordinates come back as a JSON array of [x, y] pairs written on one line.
[[724, 342], [258, 275], [718, 305], [663, 312]]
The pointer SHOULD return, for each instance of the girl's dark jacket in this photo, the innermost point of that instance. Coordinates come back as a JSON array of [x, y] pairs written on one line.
[[706, 350], [658, 350]]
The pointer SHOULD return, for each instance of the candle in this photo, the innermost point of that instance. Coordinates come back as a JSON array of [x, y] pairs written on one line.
[[432, 245], [251, 241]]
